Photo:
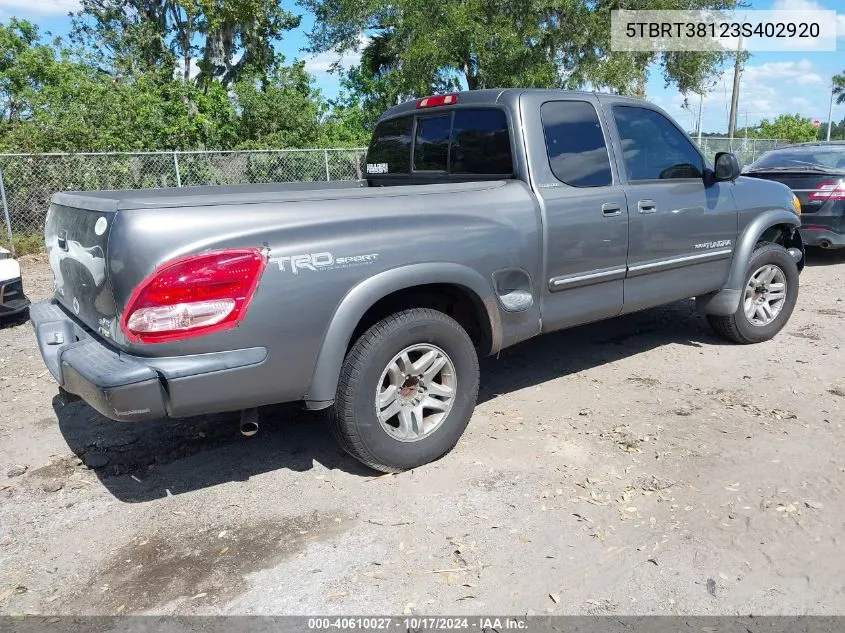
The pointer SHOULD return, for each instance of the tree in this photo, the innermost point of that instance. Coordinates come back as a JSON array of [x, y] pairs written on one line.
[[220, 39], [261, 102], [25, 66], [85, 110], [837, 131], [839, 87], [370, 88], [790, 127], [58, 100], [436, 45], [125, 37]]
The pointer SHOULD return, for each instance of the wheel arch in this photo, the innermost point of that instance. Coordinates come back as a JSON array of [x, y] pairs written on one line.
[[368, 299], [773, 224]]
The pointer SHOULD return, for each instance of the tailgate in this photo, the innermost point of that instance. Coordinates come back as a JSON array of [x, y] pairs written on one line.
[[76, 246]]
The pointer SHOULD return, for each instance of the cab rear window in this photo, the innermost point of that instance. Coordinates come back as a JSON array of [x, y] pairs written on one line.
[[464, 142]]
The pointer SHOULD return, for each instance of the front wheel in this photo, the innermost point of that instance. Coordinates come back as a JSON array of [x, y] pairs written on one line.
[[407, 390], [768, 297]]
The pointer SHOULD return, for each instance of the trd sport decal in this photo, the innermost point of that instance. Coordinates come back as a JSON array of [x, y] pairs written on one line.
[[321, 261]]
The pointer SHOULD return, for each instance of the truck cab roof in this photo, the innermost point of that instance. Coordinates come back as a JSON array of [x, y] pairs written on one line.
[[504, 96]]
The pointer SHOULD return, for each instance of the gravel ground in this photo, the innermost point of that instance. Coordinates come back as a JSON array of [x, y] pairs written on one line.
[[636, 466]]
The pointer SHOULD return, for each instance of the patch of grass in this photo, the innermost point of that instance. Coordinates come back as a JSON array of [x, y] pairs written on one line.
[[25, 243]]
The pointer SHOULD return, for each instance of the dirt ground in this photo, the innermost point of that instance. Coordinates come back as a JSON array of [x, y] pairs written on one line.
[[636, 466]]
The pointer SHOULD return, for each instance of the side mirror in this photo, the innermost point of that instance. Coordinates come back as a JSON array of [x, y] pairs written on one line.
[[727, 167]]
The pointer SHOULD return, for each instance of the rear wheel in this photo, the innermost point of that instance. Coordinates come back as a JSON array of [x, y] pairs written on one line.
[[407, 390], [768, 297]]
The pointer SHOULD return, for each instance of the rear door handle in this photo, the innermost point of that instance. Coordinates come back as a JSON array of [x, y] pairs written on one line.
[[646, 206], [609, 209]]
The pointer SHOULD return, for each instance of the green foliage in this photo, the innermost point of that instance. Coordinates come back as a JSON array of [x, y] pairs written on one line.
[[837, 131], [82, 110], [346, 126], [63, 100], [790, 127], [221, 39], [281, 110], [26, 66], [248, 28], [432, 45], [365, 94], [839, 87], [25, 243], [203, 74]]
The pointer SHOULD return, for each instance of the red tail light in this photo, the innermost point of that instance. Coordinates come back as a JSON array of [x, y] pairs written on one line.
[[829, 191], [194, 295], [437, 100]]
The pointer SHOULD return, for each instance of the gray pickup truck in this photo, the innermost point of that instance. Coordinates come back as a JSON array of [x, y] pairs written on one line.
[[486, 218]]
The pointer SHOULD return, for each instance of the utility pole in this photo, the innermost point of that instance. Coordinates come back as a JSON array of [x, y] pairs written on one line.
[[830, 111], [735, 94], [700, 108]]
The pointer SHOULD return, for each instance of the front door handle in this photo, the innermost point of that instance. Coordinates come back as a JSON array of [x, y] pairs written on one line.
[[609, 209], [646, 206]]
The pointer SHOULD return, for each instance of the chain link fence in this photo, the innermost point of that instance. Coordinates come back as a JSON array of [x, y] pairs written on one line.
[[27, 181], [747, 150]]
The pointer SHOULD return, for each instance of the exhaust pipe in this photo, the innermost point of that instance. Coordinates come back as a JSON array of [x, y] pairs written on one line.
[[249, 422], [824, 243]]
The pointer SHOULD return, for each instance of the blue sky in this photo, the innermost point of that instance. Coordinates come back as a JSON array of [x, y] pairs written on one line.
[[772, 82]]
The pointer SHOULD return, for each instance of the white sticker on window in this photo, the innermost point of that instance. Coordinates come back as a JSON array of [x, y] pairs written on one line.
[[100, 226], [377, 168]]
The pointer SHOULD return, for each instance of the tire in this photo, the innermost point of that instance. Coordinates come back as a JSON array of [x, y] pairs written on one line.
[[375, 369], [742, 328]]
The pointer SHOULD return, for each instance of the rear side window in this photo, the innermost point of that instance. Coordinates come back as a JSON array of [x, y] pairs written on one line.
[[575, 143], [481, 143], [431, 147], [653, 148], [390, 149]]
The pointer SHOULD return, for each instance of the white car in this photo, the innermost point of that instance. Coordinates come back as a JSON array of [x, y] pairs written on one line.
[[12, 299]]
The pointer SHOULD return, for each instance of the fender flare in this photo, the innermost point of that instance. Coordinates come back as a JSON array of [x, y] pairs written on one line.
[[366, 294], [724, 302]]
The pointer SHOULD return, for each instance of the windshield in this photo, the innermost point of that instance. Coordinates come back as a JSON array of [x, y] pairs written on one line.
[[813, 157]]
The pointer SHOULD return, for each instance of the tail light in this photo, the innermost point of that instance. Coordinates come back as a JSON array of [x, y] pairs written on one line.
[[829, 191], [194, 295]]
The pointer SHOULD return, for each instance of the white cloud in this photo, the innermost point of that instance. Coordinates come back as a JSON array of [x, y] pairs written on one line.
[[323, 62], [768, 76], [179, 71], [811, 5], [38, 7], [765, 91]]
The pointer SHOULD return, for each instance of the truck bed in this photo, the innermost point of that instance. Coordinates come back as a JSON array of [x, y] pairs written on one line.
[[111, 201], [125, 199]]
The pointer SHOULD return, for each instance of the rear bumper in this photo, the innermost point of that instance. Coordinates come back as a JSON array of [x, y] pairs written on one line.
[[822, 236], [12, 298], [130, 388], [825, 228]]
